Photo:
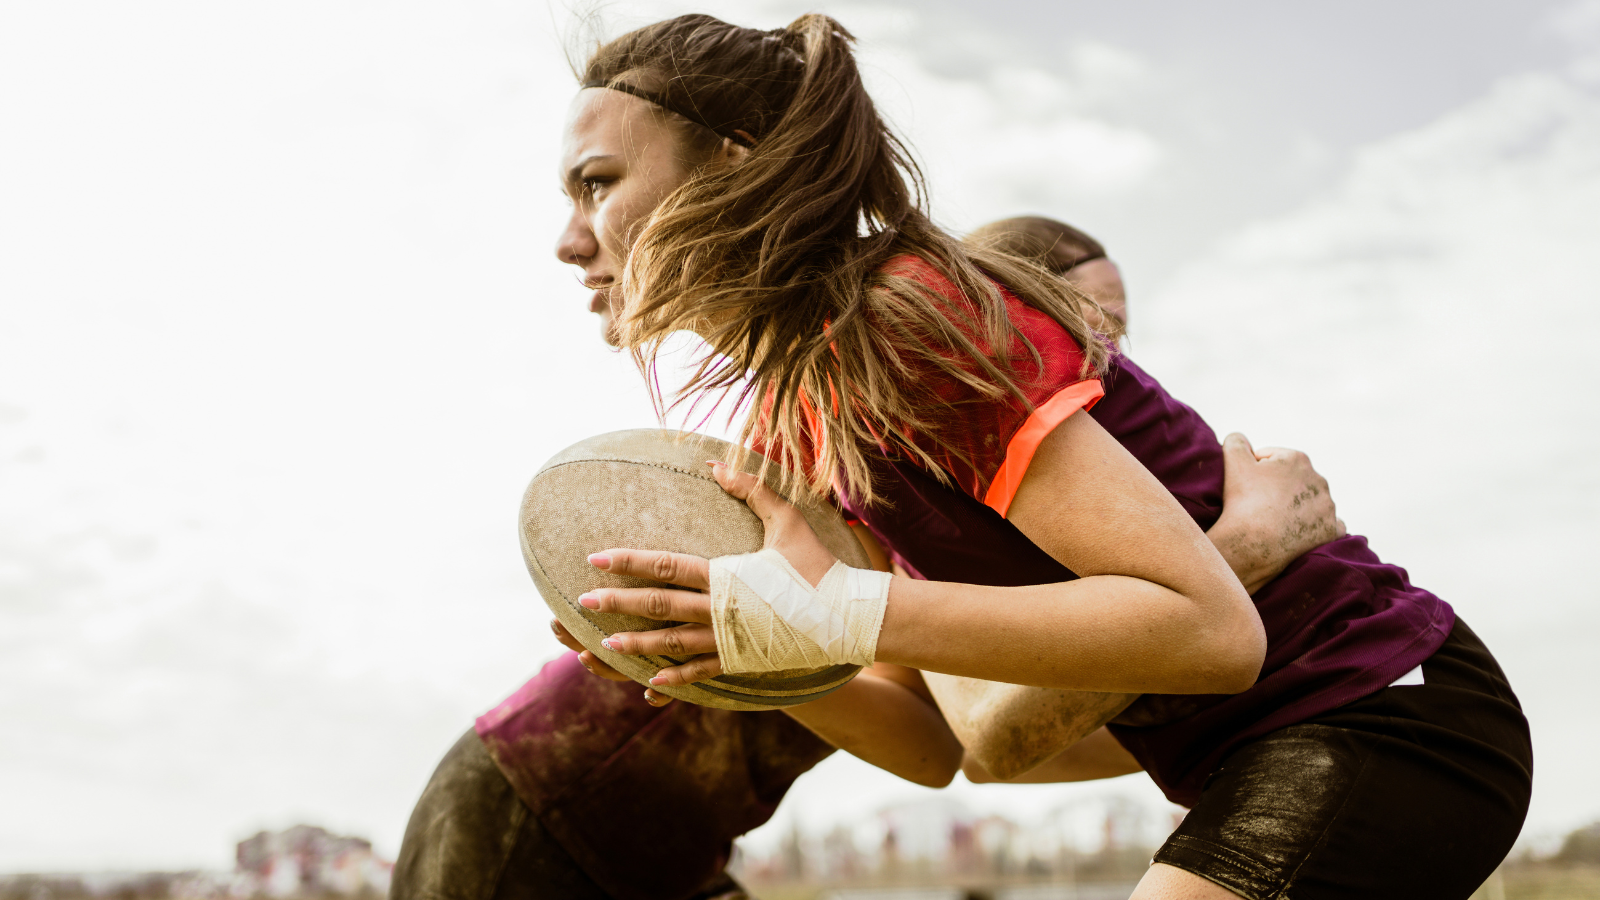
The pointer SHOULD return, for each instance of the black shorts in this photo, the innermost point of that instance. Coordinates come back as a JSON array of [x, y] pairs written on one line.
[[1415, 791]]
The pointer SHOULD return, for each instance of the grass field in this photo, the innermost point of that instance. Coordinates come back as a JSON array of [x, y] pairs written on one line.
[[1550, 883], [1525, 882]]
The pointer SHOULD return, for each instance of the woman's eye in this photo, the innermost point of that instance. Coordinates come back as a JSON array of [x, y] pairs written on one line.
[[593, 186]]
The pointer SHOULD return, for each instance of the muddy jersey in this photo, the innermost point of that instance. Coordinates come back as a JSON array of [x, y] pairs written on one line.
[[646, 800]]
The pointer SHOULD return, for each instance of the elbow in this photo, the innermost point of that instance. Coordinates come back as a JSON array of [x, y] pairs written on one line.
[[1237, 679], [993, 771], [975, 772], [990, 760], [936, 769], [1236, 657], [935, 773]]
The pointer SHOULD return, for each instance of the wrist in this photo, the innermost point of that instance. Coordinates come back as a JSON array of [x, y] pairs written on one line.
[[767, 617], [1247, 553]]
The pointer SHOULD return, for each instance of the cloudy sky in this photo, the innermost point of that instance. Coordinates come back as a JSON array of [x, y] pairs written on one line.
[[281, 339]]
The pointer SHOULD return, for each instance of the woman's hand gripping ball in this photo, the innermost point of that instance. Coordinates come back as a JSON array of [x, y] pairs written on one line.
[[791, 605]]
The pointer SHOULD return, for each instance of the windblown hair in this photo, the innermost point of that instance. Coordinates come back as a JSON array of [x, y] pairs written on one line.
[[778, 261]]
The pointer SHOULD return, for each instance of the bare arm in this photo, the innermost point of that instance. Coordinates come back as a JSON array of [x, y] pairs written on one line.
[[1009, 729], [1170, 601], [1096, 756], [885, 716], [1275, 507], [1156, 611]]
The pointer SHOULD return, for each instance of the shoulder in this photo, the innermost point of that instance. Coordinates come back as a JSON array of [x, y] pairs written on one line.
[[995, 435], [1044, 333]]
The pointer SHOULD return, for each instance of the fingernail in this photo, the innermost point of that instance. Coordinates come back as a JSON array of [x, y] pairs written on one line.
[[658, 680], [589, 601], [600, 560], [714, 462], [611, 645]]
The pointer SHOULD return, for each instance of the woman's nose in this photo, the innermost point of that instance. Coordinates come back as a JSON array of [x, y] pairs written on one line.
[[577, 244]]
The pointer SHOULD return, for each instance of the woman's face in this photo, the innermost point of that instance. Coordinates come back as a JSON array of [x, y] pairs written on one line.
[[620, 157], [1102, 280]]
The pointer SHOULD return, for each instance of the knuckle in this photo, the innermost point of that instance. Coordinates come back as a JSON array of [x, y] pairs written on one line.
[[656, 604], [672, 642]]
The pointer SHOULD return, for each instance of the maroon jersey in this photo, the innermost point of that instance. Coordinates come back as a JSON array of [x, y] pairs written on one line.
[[1340, 622], [646, 800]]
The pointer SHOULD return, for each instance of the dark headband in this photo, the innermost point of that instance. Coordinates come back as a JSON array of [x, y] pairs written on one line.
[[1080, 261], [664, 103]]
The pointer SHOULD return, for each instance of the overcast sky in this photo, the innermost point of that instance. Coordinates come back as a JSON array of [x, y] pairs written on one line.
[[282, 338]]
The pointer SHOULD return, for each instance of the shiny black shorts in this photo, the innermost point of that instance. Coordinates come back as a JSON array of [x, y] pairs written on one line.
[[1416, 791]]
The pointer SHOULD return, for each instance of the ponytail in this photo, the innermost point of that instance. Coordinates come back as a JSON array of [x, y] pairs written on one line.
[[778, 262]]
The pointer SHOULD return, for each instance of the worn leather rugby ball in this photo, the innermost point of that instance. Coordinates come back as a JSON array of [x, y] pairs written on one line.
[[651, 489]]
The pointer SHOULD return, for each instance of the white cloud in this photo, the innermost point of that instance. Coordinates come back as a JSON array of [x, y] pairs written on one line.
[[1577, 22], [1001, 134]]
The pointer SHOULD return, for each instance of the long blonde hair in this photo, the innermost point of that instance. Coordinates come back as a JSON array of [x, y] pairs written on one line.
[[778, 262]]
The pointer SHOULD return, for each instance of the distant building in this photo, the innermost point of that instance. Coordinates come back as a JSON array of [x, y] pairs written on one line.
[[306, 860]]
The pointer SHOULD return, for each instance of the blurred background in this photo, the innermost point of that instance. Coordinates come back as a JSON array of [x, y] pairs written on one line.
[[282, 337]]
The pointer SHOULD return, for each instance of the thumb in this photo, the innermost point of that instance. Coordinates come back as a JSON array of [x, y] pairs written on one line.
[[762, 500], [1237, 456]]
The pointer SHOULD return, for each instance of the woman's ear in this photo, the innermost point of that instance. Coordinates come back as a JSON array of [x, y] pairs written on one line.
[[732, 152]]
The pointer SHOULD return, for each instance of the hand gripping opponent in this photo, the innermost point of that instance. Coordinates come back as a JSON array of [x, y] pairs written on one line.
[[766, 617]]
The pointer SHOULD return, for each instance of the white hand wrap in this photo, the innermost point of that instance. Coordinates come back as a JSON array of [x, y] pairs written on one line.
[[766, 617]]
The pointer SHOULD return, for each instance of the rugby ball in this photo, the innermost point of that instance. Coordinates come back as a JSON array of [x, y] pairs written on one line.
[[651, 489]]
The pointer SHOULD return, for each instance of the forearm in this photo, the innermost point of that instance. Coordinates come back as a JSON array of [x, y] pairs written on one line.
[[888, 725], [1097, 756], [1009, 729], [1105, 633]]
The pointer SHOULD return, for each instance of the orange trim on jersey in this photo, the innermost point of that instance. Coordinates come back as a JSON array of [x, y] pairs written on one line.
[[1019, 453]]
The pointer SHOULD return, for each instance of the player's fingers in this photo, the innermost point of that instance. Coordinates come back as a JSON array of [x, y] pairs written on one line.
[[682, 640], [1285, 456], [659, 603], [565, 636], [762, 500], [656, 698], [669, 568], [698, 669], [1237, 456], [597, 666]]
